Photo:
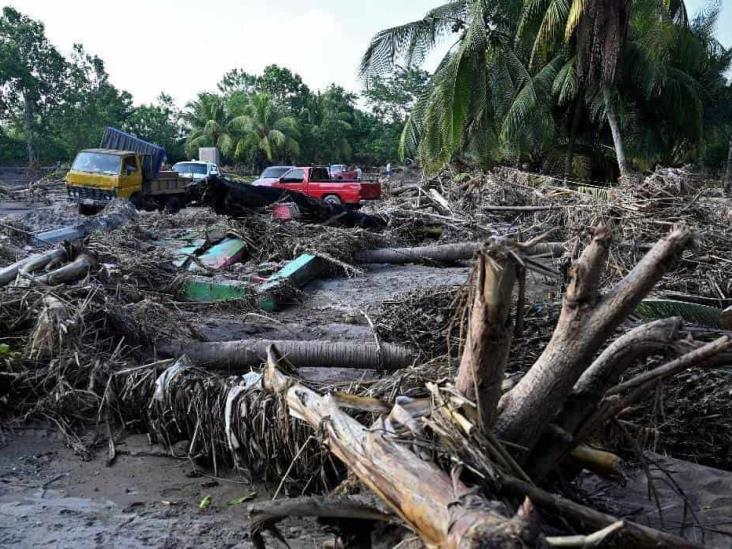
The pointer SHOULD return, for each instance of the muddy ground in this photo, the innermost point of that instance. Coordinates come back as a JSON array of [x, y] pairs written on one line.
[[49, 497]]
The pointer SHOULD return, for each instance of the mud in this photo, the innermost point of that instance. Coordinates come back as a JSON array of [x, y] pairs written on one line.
[[680, 497], [50, 498]]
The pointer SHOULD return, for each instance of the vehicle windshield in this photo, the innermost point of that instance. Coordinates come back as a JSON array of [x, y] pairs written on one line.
[[94, 162], [337, 168], [190, 167], [276, 171]]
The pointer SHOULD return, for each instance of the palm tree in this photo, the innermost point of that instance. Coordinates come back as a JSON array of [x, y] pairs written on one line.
[[211, 124], [328, 119], [597, 34], [483, 102], [261, 129]]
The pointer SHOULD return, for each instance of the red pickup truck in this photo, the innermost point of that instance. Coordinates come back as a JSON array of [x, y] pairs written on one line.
[[316, 182]]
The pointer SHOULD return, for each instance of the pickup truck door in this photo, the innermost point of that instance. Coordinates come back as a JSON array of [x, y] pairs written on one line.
[[294, 180], [130, 179]]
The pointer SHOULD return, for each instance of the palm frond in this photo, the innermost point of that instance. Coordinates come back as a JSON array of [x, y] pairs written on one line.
[[410, 42], [576, 12], [704, 315]]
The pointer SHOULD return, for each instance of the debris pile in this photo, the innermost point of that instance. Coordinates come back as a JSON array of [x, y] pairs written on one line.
[[469, 401]]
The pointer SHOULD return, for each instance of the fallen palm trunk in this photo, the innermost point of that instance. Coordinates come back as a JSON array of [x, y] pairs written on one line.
[[444, 252], [75, 270], [41, 261], [115, 214], [30, 264], [241, 355], [443, 511], [226, 420]]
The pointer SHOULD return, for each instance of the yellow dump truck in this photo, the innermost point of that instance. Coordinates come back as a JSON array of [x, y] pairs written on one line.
[[125, 167]]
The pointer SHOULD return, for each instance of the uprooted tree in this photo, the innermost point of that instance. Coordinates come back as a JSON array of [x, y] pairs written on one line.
[[563, 399]]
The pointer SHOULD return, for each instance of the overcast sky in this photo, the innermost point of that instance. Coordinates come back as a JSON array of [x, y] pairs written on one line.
[[185, 46]]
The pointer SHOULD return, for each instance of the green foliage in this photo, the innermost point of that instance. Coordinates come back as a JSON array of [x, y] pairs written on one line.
[[391, 97], [32, 77], [526, 80], [89, 103], [275, 118], [159, 123]]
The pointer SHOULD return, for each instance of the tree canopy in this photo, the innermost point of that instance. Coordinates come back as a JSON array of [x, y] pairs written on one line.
[[583, 89], [537, 80], [52, 105]]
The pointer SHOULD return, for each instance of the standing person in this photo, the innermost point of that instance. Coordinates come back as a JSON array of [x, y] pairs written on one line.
[[359, 173], [388, 168]]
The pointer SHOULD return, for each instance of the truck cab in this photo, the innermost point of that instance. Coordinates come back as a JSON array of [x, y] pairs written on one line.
[[99, 175], [197, 170]]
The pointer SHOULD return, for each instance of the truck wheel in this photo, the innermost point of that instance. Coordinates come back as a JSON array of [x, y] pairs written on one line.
[[173, 205], [137, 200], [87, 209], [333, 199]]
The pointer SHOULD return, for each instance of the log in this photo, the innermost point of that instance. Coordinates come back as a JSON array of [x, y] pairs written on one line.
[[264, 515], [39, 261], [398, 256], [587, 319], [241, 355], [115, 214], [75, 270], [443, 252], [694, 358], [36, 261], [443, 511], [490, 331]]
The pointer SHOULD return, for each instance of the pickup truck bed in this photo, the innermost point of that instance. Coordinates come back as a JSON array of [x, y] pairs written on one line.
[[315, 182]]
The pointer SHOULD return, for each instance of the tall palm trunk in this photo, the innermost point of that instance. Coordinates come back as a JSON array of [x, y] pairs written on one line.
[[612, 118], [574, 127], [727, 184]]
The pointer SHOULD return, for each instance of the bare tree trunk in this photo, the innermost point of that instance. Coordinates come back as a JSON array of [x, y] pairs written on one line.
[[574, 127], [441, 510], [29, 131], [586, 321], [643, 341], [490, 331], [612, 118], [727, 186]]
